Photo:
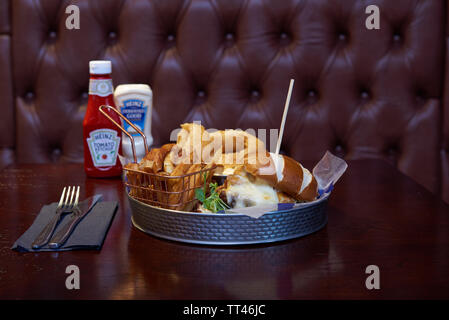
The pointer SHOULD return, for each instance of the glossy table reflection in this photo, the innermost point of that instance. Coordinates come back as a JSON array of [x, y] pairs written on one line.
[[376, 216]]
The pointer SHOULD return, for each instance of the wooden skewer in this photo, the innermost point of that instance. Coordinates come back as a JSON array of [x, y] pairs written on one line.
[[284, 117]]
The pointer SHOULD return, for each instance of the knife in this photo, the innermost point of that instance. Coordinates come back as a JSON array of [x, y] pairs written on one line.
[[77, 215], [48, 230]]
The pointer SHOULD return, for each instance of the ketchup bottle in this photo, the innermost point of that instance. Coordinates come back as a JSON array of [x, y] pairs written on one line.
[[101, 137]]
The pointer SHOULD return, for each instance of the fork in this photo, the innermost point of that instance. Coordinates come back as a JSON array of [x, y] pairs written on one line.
[[67, 202]]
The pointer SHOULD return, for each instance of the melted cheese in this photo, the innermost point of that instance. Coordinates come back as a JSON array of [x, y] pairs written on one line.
[[243, 193]]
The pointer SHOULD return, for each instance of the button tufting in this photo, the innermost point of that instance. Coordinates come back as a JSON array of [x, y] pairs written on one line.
[[339, 150], [342, 36], [52, 34], [201, 93], [364, 94], [284, 39], [255, 93], [312, 93], [112, 37], [396, 37], [29, 95], [229, 36], [170, 37], [55, 154], [420, 95], [392, 150]]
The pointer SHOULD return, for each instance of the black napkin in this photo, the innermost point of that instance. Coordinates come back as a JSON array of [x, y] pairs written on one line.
[[89, 234]]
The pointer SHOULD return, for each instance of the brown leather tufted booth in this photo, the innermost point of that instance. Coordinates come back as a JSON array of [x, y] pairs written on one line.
[[358, 93]]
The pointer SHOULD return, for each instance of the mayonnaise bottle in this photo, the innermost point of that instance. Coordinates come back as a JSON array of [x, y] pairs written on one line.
[[135, 102]]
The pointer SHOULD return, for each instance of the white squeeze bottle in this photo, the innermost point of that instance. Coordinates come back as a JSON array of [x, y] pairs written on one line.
[[135, 102]]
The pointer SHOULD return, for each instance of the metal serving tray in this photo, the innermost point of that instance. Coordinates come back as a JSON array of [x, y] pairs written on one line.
[[230, 228]]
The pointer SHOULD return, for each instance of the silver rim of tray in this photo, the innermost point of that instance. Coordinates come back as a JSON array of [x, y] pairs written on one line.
[[231, 228]]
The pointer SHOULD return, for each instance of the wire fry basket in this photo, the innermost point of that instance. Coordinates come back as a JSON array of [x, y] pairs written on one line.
[[160, 189], [170, 192]]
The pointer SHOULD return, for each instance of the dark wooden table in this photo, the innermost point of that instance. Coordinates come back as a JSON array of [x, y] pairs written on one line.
[[377, 216]]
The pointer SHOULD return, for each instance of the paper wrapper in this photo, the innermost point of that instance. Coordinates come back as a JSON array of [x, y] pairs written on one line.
[[326, 172]]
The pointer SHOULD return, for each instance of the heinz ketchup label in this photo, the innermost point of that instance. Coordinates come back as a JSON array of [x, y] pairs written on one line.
[[103, 146], [101, 137]]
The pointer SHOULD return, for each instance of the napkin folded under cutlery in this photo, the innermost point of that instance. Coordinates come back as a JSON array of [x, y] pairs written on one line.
[[89, 234]]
